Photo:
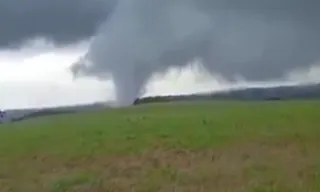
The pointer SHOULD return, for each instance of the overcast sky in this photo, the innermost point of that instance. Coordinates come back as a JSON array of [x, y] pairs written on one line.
[[34, 72], [37, 75]]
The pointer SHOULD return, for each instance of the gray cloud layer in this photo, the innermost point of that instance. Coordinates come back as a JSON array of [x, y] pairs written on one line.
[[62, 21], [256, 39]]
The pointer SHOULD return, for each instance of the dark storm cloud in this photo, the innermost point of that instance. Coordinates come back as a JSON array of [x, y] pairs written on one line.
[[62, 21], [255, 39]]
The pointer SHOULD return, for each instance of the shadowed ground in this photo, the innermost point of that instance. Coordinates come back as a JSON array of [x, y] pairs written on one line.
[[183, 146]]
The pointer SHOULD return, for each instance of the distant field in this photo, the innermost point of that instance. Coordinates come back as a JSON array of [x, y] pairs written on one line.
[[270, 146]]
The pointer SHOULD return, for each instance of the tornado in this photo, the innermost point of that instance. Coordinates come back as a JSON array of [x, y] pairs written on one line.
[[256, 39]]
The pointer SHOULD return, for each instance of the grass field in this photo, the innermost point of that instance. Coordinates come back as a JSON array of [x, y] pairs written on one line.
[[181, 147]]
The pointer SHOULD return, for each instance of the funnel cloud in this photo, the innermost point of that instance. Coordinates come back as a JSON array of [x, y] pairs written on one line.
[[134, 40], [254, 39]]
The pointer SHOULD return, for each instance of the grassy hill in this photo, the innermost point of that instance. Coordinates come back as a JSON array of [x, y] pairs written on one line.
[[284, 92], [180, 146], [280, 92]]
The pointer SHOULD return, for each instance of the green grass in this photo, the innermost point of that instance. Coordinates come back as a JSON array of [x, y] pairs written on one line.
[[197, 146]]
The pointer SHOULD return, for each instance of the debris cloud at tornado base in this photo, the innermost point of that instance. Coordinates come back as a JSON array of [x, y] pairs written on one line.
[[255, 39]]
